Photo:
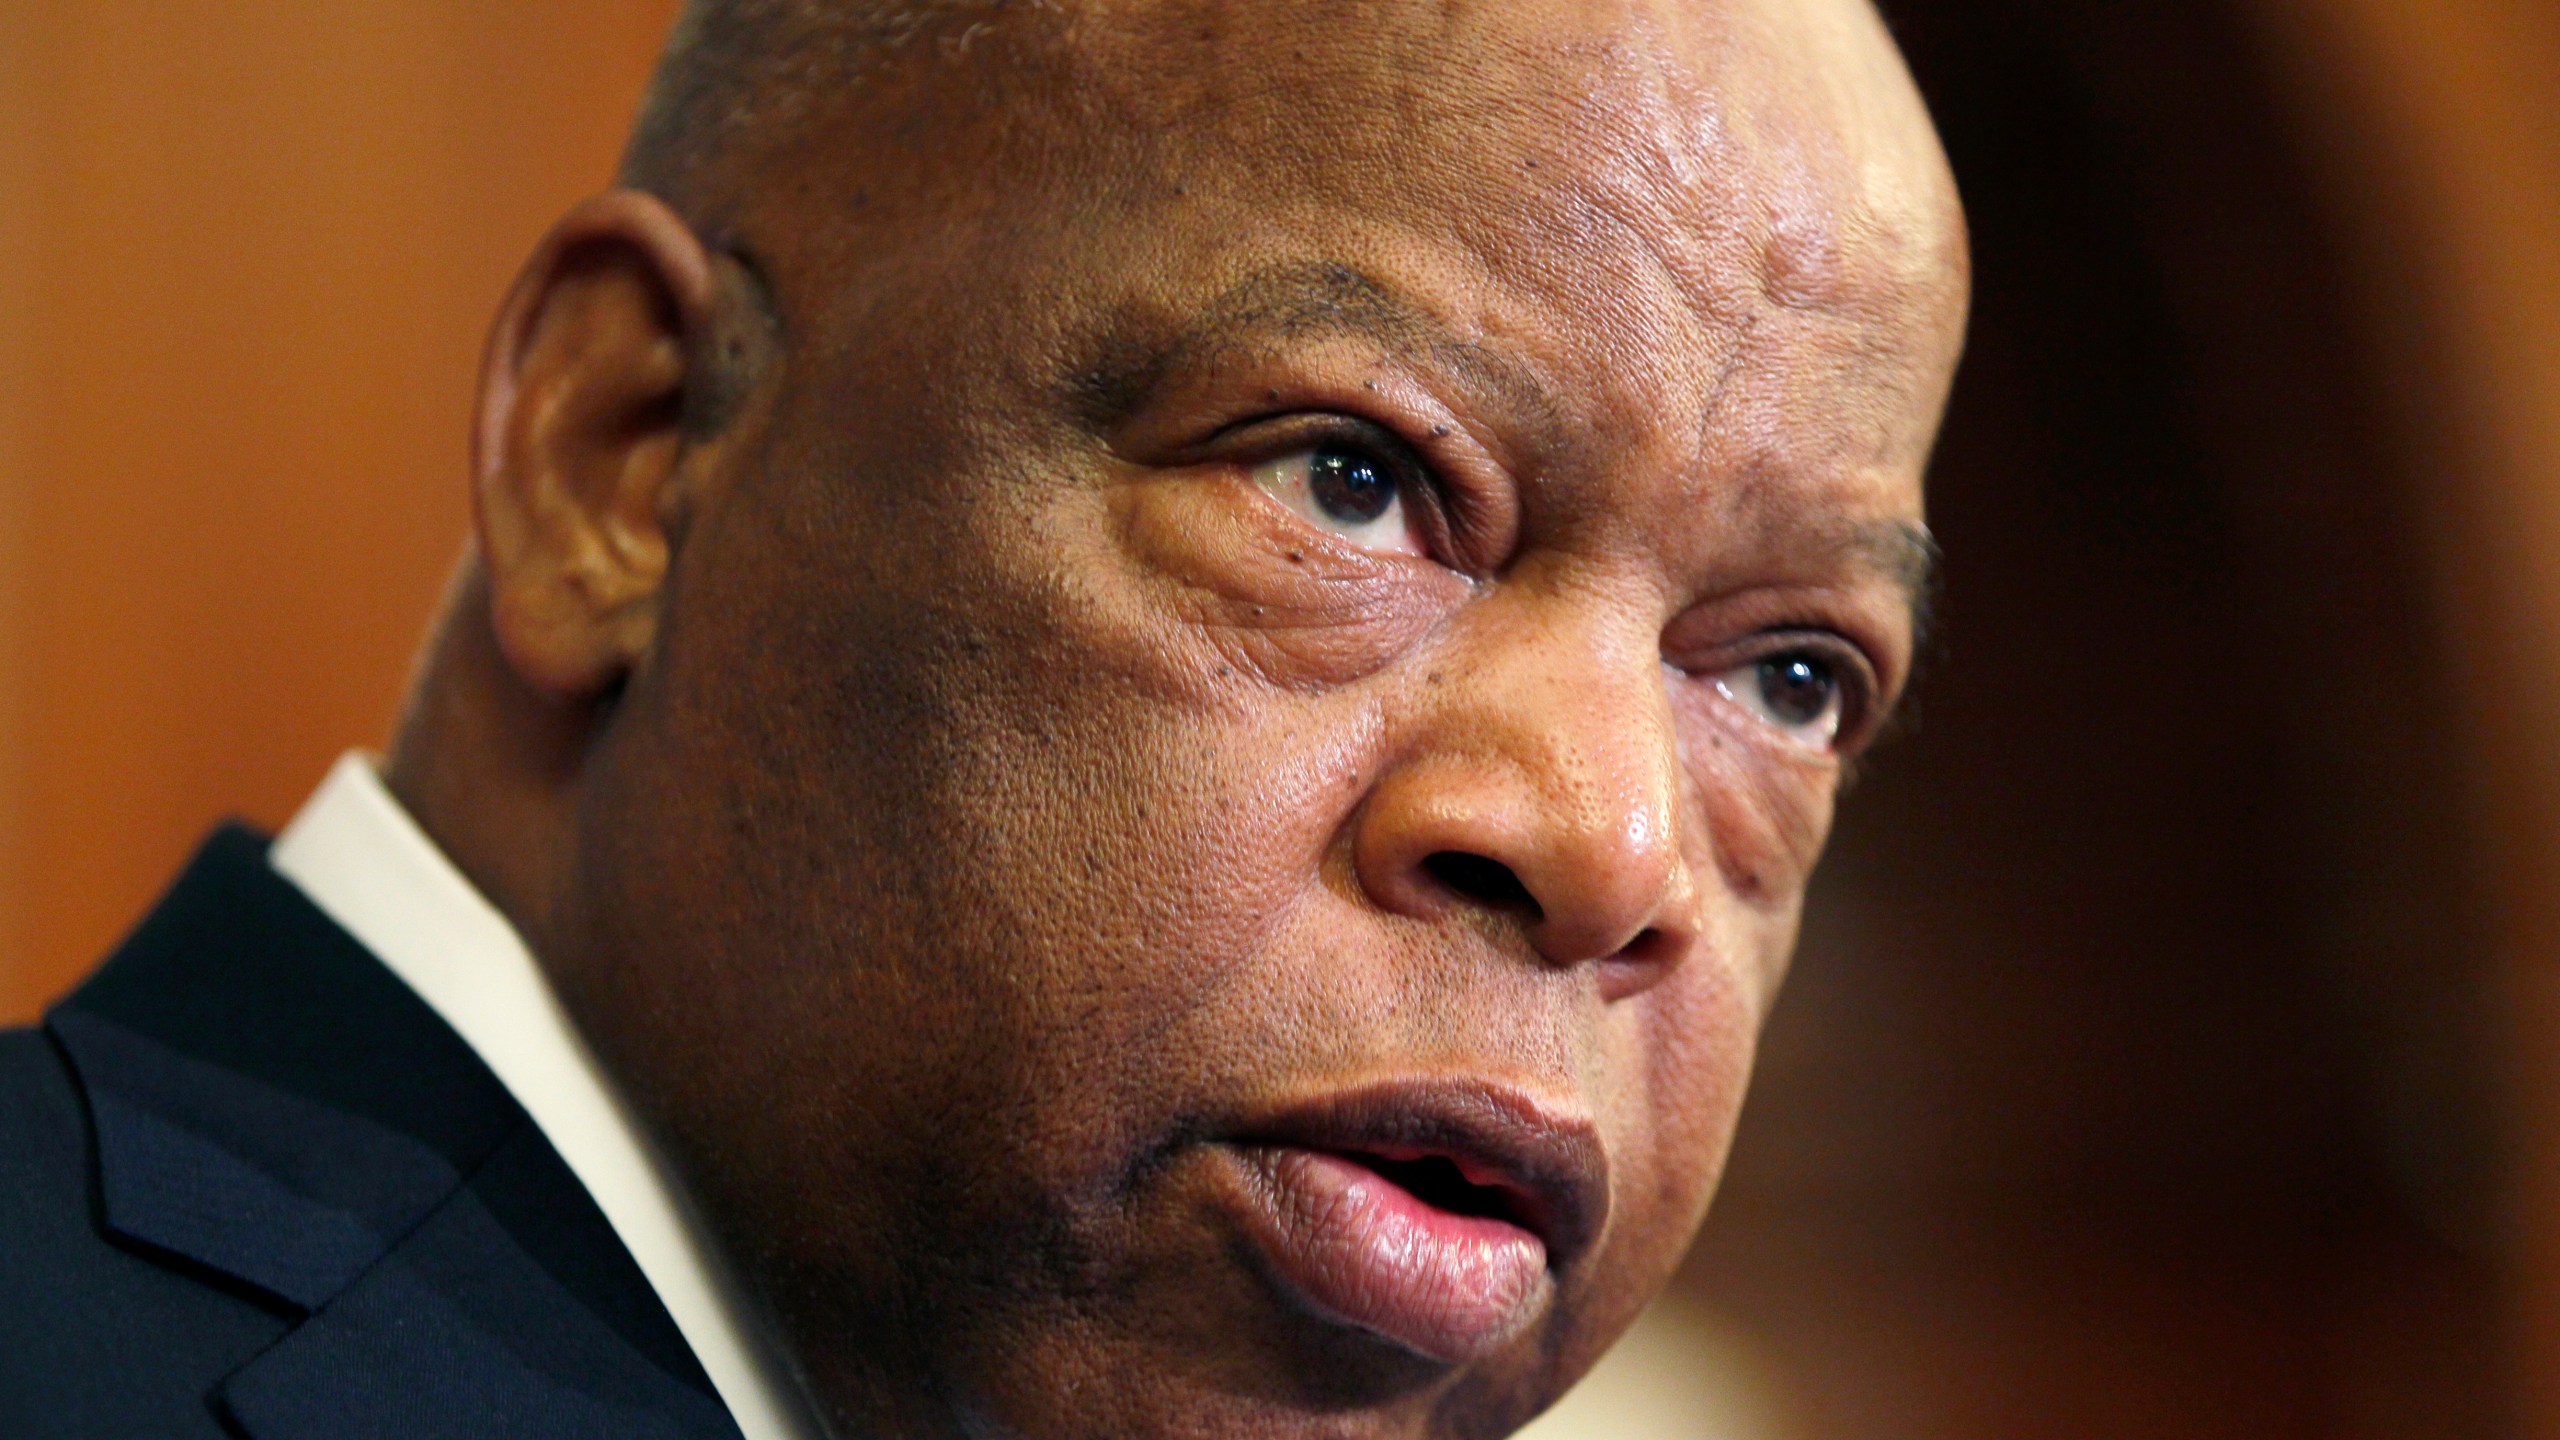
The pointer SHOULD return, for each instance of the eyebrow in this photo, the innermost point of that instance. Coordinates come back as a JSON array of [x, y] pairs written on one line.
[[1285, 302], [1906, 554], [1290, 301]]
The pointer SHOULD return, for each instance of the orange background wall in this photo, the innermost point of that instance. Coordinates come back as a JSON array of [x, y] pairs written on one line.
[[246, 255]]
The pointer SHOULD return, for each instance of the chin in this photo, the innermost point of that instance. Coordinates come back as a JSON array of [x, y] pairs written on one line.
[[1314, 1385]]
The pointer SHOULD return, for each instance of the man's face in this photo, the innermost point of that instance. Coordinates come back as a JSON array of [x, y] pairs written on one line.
[[1228, 776]]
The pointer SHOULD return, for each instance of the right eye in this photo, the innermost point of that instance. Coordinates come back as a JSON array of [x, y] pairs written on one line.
[[1345, 490]]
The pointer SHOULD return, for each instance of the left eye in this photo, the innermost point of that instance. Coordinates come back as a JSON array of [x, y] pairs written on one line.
[[1346, 491], [1797, 691]]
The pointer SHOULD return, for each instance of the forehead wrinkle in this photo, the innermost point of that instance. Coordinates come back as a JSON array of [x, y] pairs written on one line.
[[1745, 193], [1691, 264], [1805, 390]]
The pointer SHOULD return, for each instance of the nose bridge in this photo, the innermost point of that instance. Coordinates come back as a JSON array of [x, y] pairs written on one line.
[[1592, 736], [1553, 756]]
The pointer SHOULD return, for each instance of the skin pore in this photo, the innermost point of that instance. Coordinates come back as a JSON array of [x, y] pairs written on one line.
[[1134, 574]]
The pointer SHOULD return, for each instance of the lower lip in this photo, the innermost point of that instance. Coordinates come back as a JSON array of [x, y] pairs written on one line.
[[1363, 1250]]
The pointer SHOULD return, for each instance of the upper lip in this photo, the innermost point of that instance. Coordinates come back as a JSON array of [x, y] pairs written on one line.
[[1549, 1165]]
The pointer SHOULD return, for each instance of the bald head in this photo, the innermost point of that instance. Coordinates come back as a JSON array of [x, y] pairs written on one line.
[[1778, 139], [1185, 814], [733, 70], [732, 64]]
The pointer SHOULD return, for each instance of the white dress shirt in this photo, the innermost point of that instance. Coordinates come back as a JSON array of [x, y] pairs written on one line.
[[368, 866]]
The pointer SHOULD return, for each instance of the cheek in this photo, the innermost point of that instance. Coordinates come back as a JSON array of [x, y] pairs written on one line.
[[1261, 593], [1125, 836], [1686, 1058], [1696, 1046], [1764, 811], [1191, 843]]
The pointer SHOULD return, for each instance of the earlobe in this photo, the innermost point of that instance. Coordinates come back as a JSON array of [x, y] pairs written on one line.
[[580, 445]]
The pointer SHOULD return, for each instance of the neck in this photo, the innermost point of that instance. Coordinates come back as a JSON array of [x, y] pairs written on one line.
[[489, 767]]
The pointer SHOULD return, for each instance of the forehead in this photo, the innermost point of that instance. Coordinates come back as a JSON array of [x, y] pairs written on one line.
[[1719, 233], [1778, 142], [1713, 224]]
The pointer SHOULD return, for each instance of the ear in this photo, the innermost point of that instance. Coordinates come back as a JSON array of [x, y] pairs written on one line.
[[580, 444]]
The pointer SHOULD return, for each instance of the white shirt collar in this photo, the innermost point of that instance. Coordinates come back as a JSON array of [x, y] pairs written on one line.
[[360, 857]]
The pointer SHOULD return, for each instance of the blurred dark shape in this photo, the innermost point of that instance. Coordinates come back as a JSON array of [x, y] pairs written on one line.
[[2136, 1075]]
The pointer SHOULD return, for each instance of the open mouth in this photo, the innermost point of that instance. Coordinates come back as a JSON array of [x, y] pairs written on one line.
[[1441, 1182], [1432, 1216]]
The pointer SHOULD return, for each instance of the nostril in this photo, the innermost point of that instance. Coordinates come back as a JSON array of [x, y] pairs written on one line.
[[1639, 964], [1649, 947], [1489, 883]]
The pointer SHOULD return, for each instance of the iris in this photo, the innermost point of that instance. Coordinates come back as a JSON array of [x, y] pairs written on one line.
[[1799, 689], [1349, 486]]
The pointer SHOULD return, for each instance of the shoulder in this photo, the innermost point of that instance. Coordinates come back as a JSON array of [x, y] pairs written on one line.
[[94, 1340], [39, 1111]]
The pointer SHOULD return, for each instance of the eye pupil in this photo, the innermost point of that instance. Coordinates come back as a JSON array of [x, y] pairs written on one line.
[[1798, 689], [1348, 486]]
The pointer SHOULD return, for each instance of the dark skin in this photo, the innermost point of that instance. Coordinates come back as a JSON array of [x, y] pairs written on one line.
[[956, 798]]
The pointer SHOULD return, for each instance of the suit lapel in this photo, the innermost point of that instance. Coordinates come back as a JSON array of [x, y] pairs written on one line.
[[459, 1330], [247, 1178], [274, 1110]]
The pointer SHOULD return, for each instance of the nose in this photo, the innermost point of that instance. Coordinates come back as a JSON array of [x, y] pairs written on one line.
[[1547, 792]]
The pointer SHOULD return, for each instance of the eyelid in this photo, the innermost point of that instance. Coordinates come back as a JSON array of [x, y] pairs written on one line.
[[1282, 432]]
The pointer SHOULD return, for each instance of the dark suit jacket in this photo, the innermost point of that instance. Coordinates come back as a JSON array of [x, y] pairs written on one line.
[[251, 1185]]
